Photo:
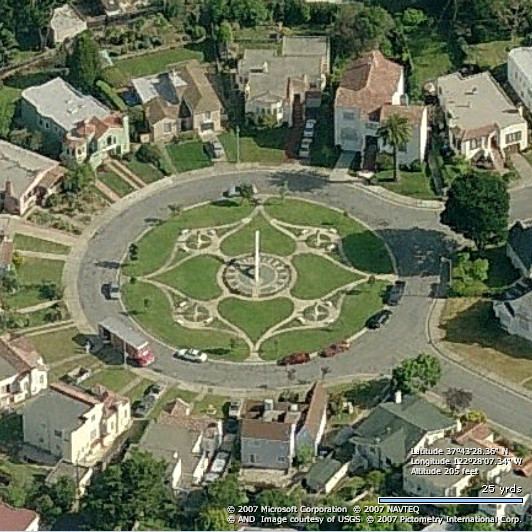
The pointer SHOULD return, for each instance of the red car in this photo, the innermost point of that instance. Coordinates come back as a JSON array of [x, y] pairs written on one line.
[[295, 358], [335, 349]]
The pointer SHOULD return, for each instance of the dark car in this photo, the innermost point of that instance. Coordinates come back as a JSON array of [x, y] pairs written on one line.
[[295, 358], [335, 349], [396, 293], [378, 320], [142, 407]]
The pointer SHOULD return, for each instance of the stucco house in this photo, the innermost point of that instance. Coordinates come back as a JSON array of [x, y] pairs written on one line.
[[386, 437], [508, 480], [66, 24], [73, 425], [519, 73], [26, 178], [284, 84], [83, 128], [22, 371], [480, 118], [18, 519], [371, 90], [181, 99]]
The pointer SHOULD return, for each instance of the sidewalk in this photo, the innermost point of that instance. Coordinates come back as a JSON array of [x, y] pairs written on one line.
[[340, 172], [24, 227]]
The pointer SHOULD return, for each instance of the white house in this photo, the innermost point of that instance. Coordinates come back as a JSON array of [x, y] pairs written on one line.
[[509, 480], [520, 73], [481, 119], [371, 90], [22, 371]]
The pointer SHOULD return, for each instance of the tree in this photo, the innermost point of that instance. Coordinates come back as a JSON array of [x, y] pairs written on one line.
[[50, 291], [8, 45], [224, 34], [85, 62], [304, 455], [412, 18], [7, 111], [228, 491], [54, 313], [474, 416], [213, 519], [512, 14], [395, 131], [216, 11], [267, 121], [274, 498], [10, 281], [248, 13], [416, 374], [457, 399], [246, 192], [469, 275], [375, 480], [477, 207], [126, 493], [133, 251], [359, 28], [77, 180], [291, 12]]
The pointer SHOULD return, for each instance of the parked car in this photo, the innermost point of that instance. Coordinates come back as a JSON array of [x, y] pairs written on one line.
[[215, 149], [335, 349], [304, 152], [295, 358], [111, 290], [396, 292], [378, 320], [308, 132], [235, 408], [234, 191], [191, 355], [141, 408], [155, 391]]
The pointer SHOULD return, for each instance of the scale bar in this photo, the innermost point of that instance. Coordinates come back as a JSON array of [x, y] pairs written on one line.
[[450, 500]]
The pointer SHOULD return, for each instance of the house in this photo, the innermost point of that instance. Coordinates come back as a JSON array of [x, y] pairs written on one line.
[[519, 248], [481, 119], [181, 449], [515, 315], [181, 99], [7, 249], [66, 24], [386, 437], [284, 84], [272, 432], [508, 480], [22, 371], [83, 129], [371, 90], [519, 73], [432, 481], [73, 425], [15, 519], [325, 474], [26, 178]]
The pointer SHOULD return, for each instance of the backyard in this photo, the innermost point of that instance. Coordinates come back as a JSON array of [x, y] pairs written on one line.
[[31, 243], [58, 345]]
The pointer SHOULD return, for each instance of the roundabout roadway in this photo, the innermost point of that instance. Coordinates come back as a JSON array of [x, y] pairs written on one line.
[[414, 236]]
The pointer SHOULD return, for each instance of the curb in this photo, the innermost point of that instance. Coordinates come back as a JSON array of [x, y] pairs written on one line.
[[398, 199]]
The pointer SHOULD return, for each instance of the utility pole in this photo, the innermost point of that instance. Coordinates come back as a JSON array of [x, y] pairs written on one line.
[[237, 144]]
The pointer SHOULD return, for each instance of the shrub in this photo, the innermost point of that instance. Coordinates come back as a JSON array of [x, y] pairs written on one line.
[[197, 32], [149, 153], [384, 162], [110, 96], [416, 166]]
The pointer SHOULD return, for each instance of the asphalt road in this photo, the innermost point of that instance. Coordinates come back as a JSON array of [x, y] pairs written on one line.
[[416, 239]]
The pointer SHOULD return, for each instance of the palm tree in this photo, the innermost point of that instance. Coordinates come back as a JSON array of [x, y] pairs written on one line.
[[395, 131]]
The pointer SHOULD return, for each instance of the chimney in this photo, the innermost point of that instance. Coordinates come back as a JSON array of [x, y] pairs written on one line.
[[265, 67], [398, 397], [9, 189], [268, 405]]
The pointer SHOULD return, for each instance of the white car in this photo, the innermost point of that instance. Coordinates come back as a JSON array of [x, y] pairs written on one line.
[[308, 134], [310, 123], [304, 152], [192, 355], [305, 143], [309, 129], [235, 408]]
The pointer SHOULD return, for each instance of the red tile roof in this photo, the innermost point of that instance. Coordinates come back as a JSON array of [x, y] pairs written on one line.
[[369, 82], [317, 406], [15, 518]]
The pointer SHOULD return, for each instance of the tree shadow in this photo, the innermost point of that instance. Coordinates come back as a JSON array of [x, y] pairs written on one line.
[[108, 264], [303, 181]]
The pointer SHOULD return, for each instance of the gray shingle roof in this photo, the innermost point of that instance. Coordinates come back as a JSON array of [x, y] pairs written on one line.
[[321, 472], [520, 240]]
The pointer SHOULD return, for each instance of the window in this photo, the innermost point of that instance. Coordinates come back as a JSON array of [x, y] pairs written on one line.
[[513, 137], [281, 459], [109, 141], [167, 127], [473, 144], [57, 433], [253, 458], [349, 115], [402, 148], [207, 115]]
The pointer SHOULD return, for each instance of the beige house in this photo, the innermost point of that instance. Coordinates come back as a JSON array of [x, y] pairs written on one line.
[[284, 84], [66, 24], [22, 371], [73, 425], [371, 90], [26, 178], [481, 119], [181, 99]]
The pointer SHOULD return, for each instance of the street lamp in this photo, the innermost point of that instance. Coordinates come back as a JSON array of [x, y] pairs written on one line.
[[237, 129]]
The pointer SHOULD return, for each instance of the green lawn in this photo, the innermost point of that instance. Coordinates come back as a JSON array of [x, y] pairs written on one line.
[[356, 310], [158, 320], [24, 480], [31, 273], [489, 55], [212, 405], [188, 156], [115, 183], [156, 246], [271, 239], [114, 378], [57, 345], [317, 276], [147, 172], [30, 243], [168, 396], [362, 247], [9, 95], [89, 361], [195, 277], [39, 317], [266, 146], [430, 55], [138, 391], [255, 317], [412, 184], [155, 62]]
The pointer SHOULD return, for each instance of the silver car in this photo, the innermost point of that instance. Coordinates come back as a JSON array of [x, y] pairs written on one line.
[[191, 355]]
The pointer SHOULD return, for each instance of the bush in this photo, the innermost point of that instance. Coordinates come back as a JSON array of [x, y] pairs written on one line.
[[149, 153], [384, 162], [416, 166], [197, 32], [110, 96]]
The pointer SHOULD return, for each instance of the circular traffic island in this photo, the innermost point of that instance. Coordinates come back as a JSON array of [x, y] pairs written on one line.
[[256, 282]]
